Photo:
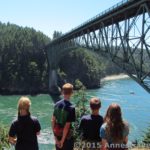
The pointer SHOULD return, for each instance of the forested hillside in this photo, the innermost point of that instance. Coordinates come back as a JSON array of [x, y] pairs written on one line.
[[89, 73], [24, 68], [22, 61]]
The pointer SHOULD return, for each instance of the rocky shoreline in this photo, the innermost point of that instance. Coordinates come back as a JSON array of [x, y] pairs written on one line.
[[115, 77], [22, 92], [45, 91]]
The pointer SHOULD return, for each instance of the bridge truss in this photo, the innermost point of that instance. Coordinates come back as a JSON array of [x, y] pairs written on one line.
[[122, 33]]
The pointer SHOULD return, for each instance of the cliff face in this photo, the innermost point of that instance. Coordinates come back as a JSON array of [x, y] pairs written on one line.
[[83, 65], [86, 66]]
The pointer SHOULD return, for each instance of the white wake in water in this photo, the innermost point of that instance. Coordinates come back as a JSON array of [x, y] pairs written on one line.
[[46, 137]]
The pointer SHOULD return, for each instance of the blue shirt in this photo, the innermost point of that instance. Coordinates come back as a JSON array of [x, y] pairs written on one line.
[[89, 126], [64, 112], [108, 138]]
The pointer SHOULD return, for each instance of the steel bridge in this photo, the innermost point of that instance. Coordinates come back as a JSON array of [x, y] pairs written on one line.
[[121, 33]]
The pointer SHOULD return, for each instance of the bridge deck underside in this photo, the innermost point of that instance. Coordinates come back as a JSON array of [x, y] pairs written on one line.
[[126, 11], [123, 34]]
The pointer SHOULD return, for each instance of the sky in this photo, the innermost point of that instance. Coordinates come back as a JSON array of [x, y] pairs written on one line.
[[49, 15]]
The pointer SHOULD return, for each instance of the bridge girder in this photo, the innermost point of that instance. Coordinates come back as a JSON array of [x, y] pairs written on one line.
[[126, 41]]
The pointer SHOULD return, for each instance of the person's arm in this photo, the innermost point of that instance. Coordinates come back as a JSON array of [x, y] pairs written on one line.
[[126, 133], [126, 140], [37, 126], [53, 122], [103, 144], [38, 133], [65, 132], [12, 134], [70, 118]]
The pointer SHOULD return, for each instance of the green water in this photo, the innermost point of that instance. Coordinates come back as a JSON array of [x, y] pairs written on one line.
[[42, 108], [135, 107]]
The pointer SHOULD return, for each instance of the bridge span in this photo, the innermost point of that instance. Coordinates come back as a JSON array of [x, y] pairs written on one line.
[[122, 33]]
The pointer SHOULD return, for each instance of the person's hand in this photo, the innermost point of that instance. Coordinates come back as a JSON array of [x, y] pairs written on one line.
[[57, 142], [13, 140], [61, 143]]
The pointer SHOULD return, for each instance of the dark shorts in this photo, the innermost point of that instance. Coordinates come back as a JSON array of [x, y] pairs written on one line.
[[26, 147], [68, 145]]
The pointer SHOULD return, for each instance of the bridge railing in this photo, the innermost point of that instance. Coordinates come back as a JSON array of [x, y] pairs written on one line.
[[100, 15]]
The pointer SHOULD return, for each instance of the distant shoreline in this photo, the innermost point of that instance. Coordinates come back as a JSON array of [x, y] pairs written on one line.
[[115, 77], [34, 93]]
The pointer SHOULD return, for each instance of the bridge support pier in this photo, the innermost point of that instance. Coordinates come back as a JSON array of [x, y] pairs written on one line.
[[125, 39], [53, 87]]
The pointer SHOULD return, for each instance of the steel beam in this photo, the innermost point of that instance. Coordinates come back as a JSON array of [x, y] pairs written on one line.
[[123, 33]]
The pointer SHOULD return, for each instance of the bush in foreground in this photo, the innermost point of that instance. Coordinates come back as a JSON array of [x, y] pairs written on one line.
[[146, 139], [81, 100], [4, 137]]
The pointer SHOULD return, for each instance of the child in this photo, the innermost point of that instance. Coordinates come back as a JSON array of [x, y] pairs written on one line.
[[90, 125], [24, 130], [114, 132], [63, 116]]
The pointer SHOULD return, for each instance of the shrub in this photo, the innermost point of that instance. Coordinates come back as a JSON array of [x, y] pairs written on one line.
[[80, 104], [4, 137], [146, 138]]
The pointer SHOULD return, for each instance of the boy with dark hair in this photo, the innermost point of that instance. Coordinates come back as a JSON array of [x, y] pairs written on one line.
[[63, 116], [90, 125]]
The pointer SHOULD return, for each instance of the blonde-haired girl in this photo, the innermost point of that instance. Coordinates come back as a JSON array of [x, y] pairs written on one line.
[[24, 130]]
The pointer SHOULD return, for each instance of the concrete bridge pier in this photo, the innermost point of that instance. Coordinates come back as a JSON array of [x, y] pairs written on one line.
[[54, 89]]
